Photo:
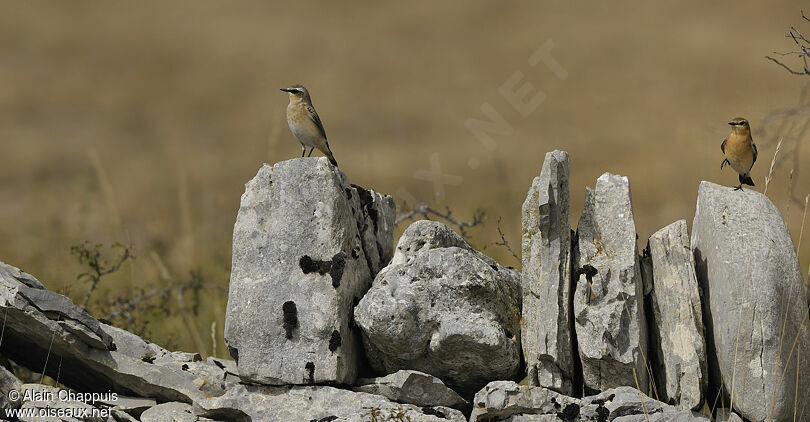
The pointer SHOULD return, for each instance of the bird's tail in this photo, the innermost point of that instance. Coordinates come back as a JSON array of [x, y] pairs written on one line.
[[746, 178], [328, 153]]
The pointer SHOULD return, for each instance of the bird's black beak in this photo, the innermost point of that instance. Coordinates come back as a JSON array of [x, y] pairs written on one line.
[[286, 89], [730, 123]]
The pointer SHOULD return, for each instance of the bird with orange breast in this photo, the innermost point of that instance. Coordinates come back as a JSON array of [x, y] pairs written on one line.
[[305, 123], [740, 150]]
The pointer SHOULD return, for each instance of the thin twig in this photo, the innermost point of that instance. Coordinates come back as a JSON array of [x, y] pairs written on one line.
[[786, 66], [125, 308], [98, 266], [504, 242], [425, 210], [803, 45]]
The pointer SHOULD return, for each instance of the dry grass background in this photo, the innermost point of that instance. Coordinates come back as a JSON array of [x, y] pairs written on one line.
[[141, 121]]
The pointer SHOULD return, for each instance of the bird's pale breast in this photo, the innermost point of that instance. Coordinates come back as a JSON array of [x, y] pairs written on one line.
[[302, 126], [740, 152]]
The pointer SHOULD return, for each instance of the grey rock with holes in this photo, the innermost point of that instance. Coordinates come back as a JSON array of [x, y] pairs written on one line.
[[609, 309], [306, 246], [169, 412], [35, 333], [508, 401], [443, 308], [548, 344], [752, 288], [319, 403], [678, 321], [412, 387]]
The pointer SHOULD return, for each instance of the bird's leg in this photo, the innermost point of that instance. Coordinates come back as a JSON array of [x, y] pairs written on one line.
[[303, 150], [739, 187], [310, 152]]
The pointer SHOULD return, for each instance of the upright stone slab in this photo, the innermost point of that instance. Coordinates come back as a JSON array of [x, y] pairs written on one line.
[[306, 246], [608, 303], [757, 326], [546, 325], [678, 322]]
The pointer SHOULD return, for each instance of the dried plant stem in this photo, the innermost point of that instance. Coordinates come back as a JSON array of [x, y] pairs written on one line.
[[213, 338], [769, 177], [801, 232]]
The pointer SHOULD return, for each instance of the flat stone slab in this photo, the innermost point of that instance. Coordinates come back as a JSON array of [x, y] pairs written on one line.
[[412, 387], [318, 403]]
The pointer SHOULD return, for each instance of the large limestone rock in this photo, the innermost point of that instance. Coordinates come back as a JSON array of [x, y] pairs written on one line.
[[548, 343], [306, 246], [508, 401], [757, 327], [443, 308], [412, 387], [314, 403], [678, 340], [43, 329], [608, 304]]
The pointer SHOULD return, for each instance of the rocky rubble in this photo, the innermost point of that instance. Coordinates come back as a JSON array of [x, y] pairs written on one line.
[[508, 401], [434, 327]]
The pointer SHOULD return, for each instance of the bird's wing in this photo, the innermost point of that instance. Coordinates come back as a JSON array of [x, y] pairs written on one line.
[[723, 146], [755, 153], [317, 120]]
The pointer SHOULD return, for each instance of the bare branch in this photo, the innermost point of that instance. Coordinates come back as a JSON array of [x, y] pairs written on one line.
[[504, 242], [91, 256], [425, 211], [785, 66], [125, 309], [803, 44]]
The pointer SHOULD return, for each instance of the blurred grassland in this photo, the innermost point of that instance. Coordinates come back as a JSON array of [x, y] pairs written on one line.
[[141, 121]]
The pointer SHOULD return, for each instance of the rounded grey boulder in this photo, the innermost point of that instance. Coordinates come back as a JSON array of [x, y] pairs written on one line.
[[443, 308]]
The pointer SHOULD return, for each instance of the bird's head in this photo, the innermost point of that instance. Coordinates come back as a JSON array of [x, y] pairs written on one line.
[[740, 126], [297, 92]]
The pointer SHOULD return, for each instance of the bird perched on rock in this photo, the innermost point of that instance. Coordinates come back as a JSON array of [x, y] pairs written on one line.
[[740, 150], [305, 124]]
